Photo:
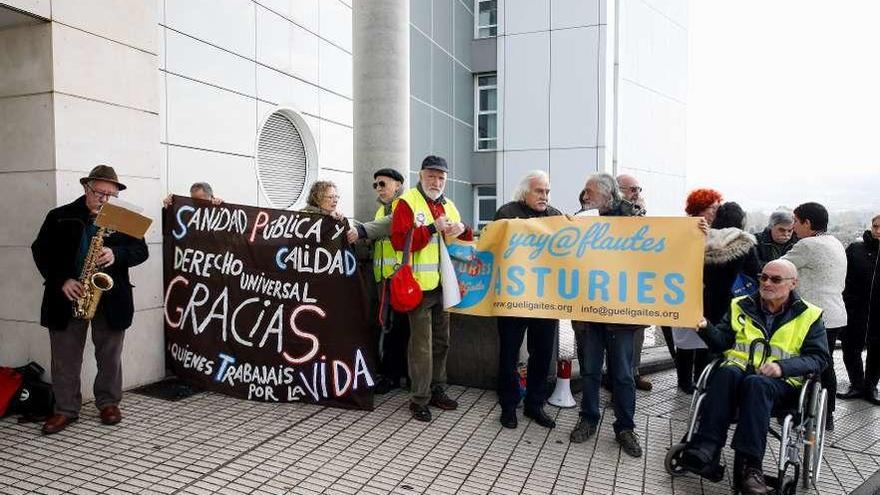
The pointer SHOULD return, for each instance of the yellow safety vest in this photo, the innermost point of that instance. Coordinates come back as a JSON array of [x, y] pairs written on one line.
[[426, 261], [785, 343], [385, 258]]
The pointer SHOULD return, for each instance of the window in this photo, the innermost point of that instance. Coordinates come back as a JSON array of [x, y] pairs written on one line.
[[286, 159], [486, 112], [486, 18], [484, 206]]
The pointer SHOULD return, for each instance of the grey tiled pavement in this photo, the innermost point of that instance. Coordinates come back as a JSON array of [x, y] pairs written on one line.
[[210, 443]]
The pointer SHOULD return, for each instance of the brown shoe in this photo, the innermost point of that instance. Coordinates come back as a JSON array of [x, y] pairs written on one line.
[[110, 415], [440, 400], [643, 384], [56, 423], [753, 482]]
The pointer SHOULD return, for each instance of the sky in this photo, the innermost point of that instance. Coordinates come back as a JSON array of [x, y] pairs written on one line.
[[784, 102]]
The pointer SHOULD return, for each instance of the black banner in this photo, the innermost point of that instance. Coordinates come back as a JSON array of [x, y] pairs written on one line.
[[266, 305]]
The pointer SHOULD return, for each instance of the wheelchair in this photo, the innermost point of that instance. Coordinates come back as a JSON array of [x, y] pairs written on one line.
[[801, 432]]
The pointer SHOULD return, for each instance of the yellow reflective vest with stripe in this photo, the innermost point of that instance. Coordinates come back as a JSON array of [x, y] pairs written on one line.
[[785, 342], [426, 261], [385, 258]]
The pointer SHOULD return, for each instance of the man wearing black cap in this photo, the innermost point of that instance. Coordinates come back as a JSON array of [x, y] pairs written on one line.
[[424, 212], [60, 253], [388, 184]]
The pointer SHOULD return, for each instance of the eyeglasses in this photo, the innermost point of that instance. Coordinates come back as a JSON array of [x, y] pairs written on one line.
[[632, 189], [331, 196], [774, 279], [102, 194], [378, 184]]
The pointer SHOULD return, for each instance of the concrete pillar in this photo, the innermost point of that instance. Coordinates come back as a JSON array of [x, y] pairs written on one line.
[[381, 95]]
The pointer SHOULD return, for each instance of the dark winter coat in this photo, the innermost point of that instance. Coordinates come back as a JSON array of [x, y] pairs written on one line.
[[519, 209], [768, 249], [55, 254], [874, 305], [813, 356], [728, 252], [861, 272]]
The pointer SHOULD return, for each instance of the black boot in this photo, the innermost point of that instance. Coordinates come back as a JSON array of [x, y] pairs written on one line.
[[853, 393]]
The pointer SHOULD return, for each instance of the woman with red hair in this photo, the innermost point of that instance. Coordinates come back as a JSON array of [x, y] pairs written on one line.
[[689, 363]]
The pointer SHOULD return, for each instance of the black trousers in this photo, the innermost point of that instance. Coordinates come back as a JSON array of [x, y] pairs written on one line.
[[393, 364], [689, 365], [829, 377], [541, 339], [862, 375]]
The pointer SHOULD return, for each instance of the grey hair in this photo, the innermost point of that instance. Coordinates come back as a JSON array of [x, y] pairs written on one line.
[[204, 186], [525, 184], [608, 184], [781, 217]]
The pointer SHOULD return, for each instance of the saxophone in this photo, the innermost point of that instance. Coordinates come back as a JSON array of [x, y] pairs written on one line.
[[94, 282]]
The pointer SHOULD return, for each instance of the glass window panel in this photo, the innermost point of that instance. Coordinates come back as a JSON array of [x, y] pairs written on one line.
[[492, 119], [483, 126], [492, 99], [487, 209]]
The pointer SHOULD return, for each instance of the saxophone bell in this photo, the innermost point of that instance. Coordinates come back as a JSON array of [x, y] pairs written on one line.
[[102, 281]]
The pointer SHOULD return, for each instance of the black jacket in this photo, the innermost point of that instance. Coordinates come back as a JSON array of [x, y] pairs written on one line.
[[728, 252], [519, 209], [861, 269], [55, 252], [813, 357], [768, 249], [874, 305]]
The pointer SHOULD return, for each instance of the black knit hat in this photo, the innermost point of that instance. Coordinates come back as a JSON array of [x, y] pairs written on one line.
[[388, 172], [435, 163]]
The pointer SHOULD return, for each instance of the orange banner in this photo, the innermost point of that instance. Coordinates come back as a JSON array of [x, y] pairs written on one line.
[[637, 270]]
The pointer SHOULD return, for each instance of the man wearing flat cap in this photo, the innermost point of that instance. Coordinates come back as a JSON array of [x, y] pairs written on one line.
[[388, 184], [425, 214], [60, 254]]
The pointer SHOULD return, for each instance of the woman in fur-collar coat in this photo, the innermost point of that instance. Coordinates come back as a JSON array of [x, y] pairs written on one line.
[[729, 251]]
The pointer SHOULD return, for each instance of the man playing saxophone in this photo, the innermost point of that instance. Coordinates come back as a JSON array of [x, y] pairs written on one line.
[[68, 255]]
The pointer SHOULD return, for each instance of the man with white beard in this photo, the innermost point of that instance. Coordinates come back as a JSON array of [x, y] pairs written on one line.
[[426, 214]]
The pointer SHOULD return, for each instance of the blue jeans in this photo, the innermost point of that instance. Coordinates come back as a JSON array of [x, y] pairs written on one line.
[[593, 340], [755, 396]]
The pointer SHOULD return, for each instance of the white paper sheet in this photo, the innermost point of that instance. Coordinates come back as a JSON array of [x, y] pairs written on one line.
[[687, 338], [448, 279]]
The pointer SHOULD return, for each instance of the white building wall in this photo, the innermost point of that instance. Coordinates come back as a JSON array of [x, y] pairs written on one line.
[[223, 71], [562, 103], [551, 67], [77, 91], [652, 93], [169, 92]]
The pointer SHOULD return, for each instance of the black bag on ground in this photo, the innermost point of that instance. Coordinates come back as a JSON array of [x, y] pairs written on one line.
[[35, 400]]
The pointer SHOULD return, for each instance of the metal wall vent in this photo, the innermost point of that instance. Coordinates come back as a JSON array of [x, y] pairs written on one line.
[[284, 161]]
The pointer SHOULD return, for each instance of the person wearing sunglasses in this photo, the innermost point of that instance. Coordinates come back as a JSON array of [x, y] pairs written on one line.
[[631, 190], [798, 347], [60, 253], [388, 184], [862, 312], [821, 262]]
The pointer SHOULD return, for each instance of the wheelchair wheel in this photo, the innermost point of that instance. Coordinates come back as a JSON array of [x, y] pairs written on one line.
[[672, 463], [789, 487], [814, 448]]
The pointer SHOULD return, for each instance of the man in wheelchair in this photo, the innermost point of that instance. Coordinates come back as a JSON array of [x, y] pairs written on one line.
[[798, 347]]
